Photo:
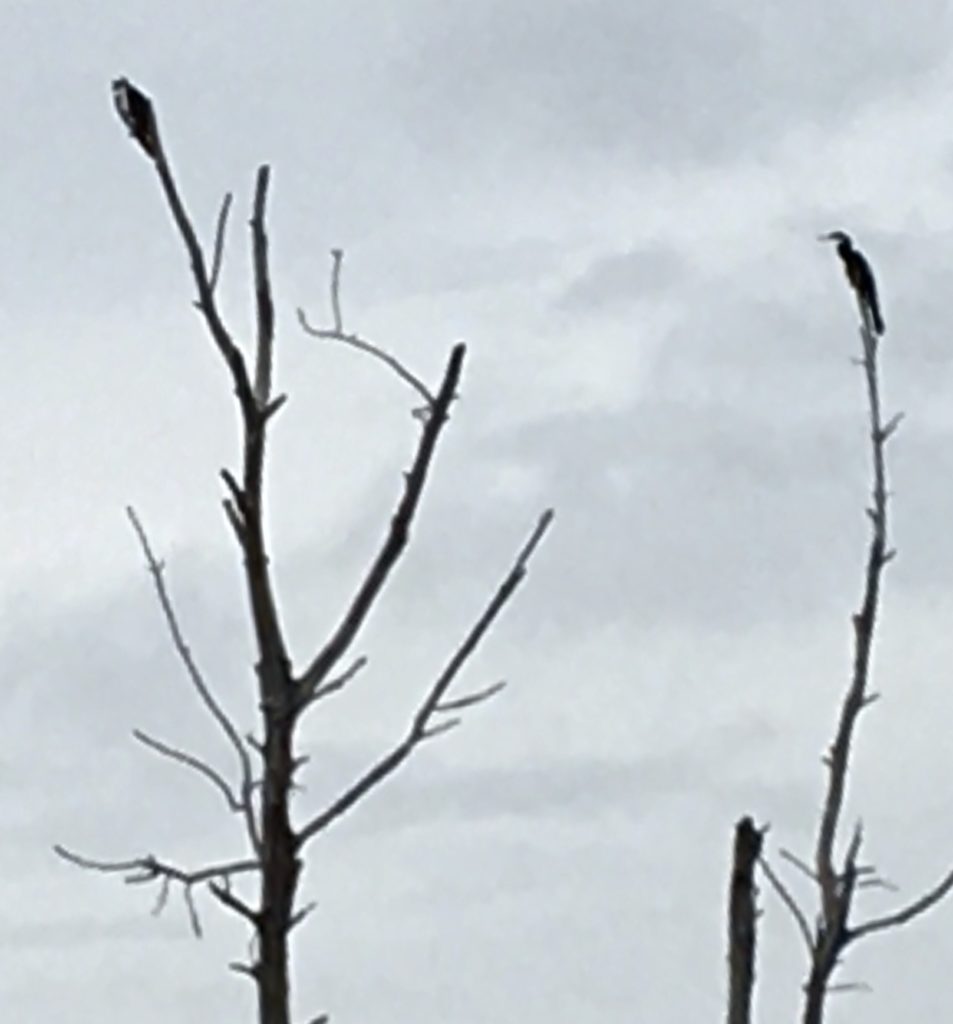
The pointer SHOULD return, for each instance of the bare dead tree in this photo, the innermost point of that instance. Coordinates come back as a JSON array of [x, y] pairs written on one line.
[[838, 878], [261, 796]]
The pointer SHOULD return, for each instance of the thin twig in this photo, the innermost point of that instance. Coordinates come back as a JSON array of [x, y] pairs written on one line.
[[148, 867], [848, 986], [219, 250], [198, 681], [336, 333], [363, 345], [335, 684], [907, 913], [193, 913], [789, 901], [468, 700], [337, 259], [196, 763], [299, 915], [420, 726], [799, 864]]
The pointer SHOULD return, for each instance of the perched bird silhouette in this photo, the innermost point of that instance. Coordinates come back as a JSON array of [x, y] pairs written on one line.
[[859, 274], [135, 109]]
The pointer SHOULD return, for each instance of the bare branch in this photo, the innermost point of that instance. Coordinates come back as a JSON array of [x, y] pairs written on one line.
[[799, 864], [864, 624], [907, 913], [890, 426], [503, 594], [459, 703], [337, 258], [163, 897], [273, 407], [335, 684], [196, 763], [108, 866], [198, 681], [193, 913], [397, 536], [837, 889], [224, 894], [263, 299], [148, 868], [206, 298], [420, 728], [848, 986], [219, 250], [356, 341], [238, 495], [336, 333], [300, 915], [430, 732], [789, 901]]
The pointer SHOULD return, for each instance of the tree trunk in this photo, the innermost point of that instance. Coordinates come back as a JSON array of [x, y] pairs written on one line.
[[279, 880]]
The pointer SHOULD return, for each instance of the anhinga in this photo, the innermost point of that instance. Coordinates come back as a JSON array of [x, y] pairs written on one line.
[[859, 274], [135, 109]]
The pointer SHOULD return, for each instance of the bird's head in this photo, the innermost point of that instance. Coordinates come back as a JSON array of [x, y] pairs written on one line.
[[835, 236]]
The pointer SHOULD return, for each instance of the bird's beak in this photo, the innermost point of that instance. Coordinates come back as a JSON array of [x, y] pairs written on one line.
[[826, 238]]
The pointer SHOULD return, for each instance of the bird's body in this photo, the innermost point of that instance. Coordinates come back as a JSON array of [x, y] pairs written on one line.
[[135, 109], [860, 276]]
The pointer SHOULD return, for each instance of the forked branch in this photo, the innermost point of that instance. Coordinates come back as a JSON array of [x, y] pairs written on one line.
[[423, 726], [905, 914], [204, 280], [148, 869], [337, 333]]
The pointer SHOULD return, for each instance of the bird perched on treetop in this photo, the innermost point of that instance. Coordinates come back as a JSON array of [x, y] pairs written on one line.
[[135, 109], [859, 274]]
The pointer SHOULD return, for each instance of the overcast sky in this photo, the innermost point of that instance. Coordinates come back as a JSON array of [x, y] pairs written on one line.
[[615, 205]]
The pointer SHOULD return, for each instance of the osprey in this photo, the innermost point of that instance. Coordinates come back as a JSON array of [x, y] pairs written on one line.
[[859, 274], [135, 110]]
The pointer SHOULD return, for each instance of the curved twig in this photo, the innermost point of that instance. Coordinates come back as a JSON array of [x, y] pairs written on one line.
[[363, 345], [191, 761]]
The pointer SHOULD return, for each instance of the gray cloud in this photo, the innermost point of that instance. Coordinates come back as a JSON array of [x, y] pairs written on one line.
[[612, 282], [653, 80], [677, 652]]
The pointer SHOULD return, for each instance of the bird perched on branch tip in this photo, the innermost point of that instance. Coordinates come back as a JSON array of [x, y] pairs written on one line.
[[135, 109], [859, 274]]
